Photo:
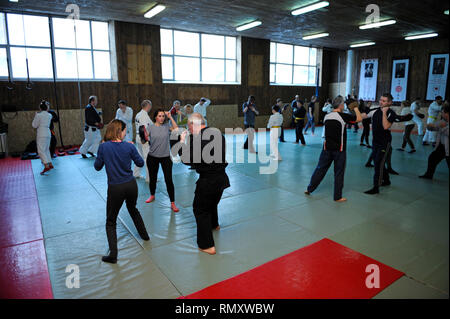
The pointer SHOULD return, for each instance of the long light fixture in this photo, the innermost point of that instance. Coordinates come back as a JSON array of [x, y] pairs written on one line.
[[315, 36], [361, 44], [154, 11], [311, 7], [249, 25], [376, 24], [421, 36]]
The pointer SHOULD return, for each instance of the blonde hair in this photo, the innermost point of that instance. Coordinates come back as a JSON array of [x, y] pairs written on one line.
[[114, 130]]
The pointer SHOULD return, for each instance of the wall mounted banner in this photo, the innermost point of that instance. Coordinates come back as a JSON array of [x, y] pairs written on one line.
[[437, 76], [368, 79], [399, 82]]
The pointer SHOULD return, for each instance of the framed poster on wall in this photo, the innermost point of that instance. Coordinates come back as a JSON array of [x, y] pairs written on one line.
[[368, 79], [399, 80], [437, 76]]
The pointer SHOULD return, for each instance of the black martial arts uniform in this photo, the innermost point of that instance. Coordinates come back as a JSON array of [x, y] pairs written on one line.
[[212, 181], [299, 120], [53, 141]]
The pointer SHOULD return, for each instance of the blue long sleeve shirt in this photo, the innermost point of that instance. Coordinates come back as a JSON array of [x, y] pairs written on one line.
[[117, 157]]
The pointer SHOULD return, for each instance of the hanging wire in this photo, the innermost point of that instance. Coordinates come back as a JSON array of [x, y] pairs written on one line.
[[29, 85]]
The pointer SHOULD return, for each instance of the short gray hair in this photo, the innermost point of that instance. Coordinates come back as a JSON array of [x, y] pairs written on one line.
[[146, 102], [338, 100], [195, 117]]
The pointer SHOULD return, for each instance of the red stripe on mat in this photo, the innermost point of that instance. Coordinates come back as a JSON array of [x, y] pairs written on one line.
[[323, 270], [23, 264]]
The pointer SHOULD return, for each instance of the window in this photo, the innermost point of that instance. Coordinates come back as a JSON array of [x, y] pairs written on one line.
[[292, 64], [198, 57], [80, 48]]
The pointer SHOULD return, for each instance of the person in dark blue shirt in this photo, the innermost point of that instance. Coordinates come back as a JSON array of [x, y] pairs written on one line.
[[116, 156]]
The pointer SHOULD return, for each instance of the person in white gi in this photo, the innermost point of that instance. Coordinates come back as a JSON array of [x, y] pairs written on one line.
[[201, 106], [125, 114], [41, 122], [433, 113], [142, 118], [93, 124], [415, 107], [274, 124], [327, 108]]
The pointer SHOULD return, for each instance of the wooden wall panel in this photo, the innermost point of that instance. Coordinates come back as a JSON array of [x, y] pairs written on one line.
[[255, 70]]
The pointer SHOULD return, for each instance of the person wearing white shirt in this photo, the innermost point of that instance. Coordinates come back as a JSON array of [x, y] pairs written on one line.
[[201, 106], [41, 122], [142, 119], [274, 125], [409, 126], [433, 113], [415, 107], [125, 114]]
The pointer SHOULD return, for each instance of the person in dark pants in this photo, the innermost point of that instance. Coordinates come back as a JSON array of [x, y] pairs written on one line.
[[310, 115], [409, 126], [293, 105], [116, 156], [213, 179], [159, 153], [366, 123], [334, 148], [299, 120], [282, 109], [55, 119], [442, 147], [382, 119], [250, 112]]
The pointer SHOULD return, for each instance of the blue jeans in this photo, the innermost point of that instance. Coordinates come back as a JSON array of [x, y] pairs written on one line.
[[325, 160], [310, 123]]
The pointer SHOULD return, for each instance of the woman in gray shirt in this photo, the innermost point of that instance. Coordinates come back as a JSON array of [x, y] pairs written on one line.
[[159, 153]]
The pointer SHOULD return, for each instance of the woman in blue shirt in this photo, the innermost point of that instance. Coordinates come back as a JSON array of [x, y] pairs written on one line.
[[116, 156]]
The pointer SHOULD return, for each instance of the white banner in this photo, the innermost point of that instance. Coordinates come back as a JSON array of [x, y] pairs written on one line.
[[368, 79], [437, 76], [399, 82]]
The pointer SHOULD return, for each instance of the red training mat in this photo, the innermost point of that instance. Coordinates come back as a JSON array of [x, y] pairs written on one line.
[[322, 270]]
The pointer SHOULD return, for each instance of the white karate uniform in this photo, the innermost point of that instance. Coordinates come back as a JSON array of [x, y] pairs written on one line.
[[274, 124], [433, 113], [416, 119], [202, 109], [41, 122], [127, 117], [142, 118]]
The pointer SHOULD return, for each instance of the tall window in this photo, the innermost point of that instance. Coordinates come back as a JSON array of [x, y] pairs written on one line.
[[293, 64], [81, 48], [198, 57]]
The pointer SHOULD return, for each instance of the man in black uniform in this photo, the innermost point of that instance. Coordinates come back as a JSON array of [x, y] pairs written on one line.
[[299, 114], [93, 124], [213, 179], [334, 147], [382, 119], [55, 119]]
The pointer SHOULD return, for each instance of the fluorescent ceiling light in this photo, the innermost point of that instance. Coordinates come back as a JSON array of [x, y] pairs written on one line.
[[249, 25], [361, 44], [446, 12], [377, 24], [18, 1], [421, 36], [311, 7], [154, 11], [315, 36]]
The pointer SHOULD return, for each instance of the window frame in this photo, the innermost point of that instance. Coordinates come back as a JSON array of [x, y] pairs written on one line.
[[200, 57], [53, 49], [293, 65]]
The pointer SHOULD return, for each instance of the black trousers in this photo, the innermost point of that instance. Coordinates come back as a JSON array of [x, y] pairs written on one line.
[[325, 160], [380, 155], [282, 134], [252, 133], [366, 132], [299, 132], [52, 144], [407, 136], [153, 168], [205, 212], [117, 194], [435, 158]]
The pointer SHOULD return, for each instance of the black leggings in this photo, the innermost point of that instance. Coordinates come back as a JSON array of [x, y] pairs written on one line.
[[117, 194], [153, 167], [407, 136], [299, 132], [366, 132]]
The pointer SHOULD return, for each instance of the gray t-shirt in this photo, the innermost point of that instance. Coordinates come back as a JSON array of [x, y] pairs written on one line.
[[159, 140]]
